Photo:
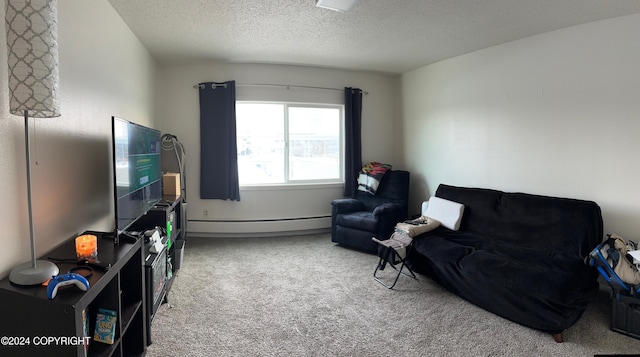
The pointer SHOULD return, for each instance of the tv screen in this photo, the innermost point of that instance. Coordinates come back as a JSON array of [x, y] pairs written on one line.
[[137, 172]]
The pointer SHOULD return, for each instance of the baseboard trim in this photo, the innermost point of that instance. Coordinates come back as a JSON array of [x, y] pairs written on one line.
[[258, 234], [260, 227]]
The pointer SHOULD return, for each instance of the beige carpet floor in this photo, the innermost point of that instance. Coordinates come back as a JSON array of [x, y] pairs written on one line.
[[306, 296]]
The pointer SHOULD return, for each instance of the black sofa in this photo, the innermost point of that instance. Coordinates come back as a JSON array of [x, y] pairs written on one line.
[[355, 220], [517, 255]]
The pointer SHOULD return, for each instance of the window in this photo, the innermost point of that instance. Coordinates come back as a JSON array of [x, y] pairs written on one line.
[[281, 143]]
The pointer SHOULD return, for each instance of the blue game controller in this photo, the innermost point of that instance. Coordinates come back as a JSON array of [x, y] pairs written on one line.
[[66, 279]]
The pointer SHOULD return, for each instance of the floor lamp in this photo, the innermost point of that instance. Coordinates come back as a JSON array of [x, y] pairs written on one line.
[[32, 46]]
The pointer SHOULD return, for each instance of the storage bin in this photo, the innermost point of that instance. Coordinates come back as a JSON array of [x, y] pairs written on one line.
[[625, 298], [625, 315]]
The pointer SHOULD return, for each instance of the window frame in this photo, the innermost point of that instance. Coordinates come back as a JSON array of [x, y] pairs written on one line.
[[301, 183]]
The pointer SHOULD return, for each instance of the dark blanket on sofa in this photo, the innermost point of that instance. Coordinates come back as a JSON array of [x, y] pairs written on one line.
[[517, 255]]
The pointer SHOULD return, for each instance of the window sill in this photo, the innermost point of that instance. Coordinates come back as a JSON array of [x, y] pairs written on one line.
[[291, 186]]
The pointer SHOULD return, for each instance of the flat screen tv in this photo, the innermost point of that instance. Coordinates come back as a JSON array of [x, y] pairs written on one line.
[[137, 173]]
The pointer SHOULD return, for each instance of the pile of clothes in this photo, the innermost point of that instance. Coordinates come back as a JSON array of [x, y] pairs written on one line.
[[621, 255], [403, 236], [416, 227]]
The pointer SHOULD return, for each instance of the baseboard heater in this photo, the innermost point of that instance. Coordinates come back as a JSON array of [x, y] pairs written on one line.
[[259, 226]]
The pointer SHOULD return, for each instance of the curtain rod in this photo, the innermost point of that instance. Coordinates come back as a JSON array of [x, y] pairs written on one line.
[[288, 86]]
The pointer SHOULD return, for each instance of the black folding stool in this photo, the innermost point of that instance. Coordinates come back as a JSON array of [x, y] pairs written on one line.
[[394, 250]]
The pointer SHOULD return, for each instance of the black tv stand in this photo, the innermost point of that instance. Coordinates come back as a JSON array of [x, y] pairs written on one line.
[[26, 311], [161, 266]]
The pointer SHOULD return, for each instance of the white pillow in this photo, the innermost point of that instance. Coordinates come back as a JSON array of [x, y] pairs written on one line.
[[449, 213]]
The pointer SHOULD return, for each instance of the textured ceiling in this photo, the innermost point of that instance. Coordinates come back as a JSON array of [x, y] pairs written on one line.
[[389, 36]]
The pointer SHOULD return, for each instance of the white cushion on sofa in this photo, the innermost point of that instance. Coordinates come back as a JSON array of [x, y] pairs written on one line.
[[448, 213]]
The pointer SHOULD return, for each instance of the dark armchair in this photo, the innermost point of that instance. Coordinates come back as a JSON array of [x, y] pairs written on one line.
[[354, 221]]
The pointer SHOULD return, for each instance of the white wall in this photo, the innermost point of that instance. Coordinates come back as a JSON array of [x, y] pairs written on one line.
[[555, 114], [178, 108], [104, 71]]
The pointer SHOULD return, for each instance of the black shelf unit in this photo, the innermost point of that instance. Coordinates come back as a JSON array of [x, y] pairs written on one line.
[[170, 210], [28, 313], [161, 267]]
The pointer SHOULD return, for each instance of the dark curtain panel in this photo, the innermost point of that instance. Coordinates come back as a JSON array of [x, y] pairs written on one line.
[[218, 149], [353, 140]]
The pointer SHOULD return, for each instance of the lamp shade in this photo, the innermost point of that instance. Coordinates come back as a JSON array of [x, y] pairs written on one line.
[[32, 46]]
